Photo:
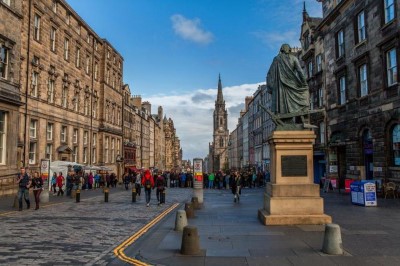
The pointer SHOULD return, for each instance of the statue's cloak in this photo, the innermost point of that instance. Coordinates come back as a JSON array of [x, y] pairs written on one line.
[[288, 85]]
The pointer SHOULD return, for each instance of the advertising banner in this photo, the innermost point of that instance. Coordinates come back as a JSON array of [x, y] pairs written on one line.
[[44, 169]]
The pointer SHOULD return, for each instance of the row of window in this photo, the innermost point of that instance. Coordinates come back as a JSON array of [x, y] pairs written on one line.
[[111, 148], [33, 130], [363, 77], [361, 29], [49, 153], [37, 28], [51, 94], [78, 57]]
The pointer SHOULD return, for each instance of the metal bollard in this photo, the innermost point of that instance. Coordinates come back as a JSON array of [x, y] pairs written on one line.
[[106, 192], [78, 195], [134, 194]]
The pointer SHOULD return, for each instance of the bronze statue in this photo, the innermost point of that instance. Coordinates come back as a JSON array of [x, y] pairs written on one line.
[[290, 94]]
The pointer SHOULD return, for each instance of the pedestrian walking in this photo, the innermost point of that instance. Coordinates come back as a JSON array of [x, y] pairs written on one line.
[[54, 183], [60, 184], [211, 178], [148, 184], [138, 183], [37, 184], [236, 186], [160, 184], [24, 182], [127, 180], [97, 180], [70, 184], [90, 180], [227, 178]]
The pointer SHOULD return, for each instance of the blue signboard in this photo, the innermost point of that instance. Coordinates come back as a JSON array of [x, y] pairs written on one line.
[[363, 193]]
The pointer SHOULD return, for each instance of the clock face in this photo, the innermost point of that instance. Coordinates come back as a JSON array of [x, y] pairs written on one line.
[[221, 128]]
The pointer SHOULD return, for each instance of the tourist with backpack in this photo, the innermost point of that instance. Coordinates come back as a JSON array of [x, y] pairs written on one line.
[[148, 184], [160, 183]]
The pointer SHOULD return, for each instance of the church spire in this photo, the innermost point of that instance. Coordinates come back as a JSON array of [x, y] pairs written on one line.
[[305, 13], [220, 98]]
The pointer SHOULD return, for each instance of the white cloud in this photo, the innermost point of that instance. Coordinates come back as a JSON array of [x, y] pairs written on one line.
[[192, 114], [276, 39], [190, 29]]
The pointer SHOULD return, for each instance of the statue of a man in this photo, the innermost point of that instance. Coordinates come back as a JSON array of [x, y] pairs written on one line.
[[287, 83]]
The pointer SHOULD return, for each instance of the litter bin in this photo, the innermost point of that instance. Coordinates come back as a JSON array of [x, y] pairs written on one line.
[[363, 193]]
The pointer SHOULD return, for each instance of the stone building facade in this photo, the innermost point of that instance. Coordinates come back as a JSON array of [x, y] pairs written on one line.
[[140, 149], [361, 44], [131, 143], [72, 86], [62, 96], [173, 155], [312, 57], [10, 100]]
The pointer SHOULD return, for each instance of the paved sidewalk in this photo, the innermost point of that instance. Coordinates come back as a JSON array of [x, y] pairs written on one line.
[[230, 234], [70, 233]]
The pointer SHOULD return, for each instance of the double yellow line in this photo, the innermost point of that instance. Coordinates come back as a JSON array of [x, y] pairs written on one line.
[[119, 250]]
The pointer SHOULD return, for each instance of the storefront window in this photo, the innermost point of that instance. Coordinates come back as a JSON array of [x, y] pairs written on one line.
[[396, 145]]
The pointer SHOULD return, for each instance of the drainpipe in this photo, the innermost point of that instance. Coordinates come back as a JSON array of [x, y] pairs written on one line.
[[28, 52]]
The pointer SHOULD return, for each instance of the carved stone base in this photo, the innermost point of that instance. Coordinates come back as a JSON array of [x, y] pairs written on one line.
[[292, 197], [269, 219]]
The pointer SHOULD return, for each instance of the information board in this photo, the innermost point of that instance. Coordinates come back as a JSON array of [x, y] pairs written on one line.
[[198, 169], [326, 185]]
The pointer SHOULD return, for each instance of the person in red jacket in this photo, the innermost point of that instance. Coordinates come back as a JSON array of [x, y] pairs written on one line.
[[148, 184], [60, 184]]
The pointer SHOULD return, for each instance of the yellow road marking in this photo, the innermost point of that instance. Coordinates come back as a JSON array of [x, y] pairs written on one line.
[[119, 250]]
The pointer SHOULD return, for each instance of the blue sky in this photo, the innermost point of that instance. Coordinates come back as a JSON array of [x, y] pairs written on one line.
[[174, 50]]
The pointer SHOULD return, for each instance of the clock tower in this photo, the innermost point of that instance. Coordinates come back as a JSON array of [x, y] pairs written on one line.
[[221, 132]]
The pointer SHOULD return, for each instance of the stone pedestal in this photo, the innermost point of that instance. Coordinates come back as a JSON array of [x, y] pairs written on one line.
[[292, 197]]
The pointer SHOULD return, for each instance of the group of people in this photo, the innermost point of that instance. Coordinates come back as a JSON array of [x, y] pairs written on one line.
[[149, 182], [73, 180], [80, 180], [222, 180], [25, 182], [158, 180]]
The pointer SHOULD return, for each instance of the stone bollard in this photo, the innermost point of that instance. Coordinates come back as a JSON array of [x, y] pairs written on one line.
[[181, 220], [73, 194], [190, 241], [189, 210], [106, 193], [134, 194], [78, 195], [332, 240], [195, 203]]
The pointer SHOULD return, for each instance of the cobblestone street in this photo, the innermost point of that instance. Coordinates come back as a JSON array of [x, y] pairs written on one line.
[[70, 233]]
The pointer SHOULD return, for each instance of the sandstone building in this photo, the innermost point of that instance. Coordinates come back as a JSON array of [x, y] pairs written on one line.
[[62, 96], [10, 80]]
